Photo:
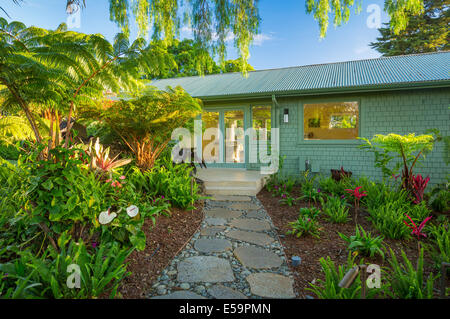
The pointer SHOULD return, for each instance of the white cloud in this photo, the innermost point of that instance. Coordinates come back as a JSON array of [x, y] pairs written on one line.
[[259, 39]]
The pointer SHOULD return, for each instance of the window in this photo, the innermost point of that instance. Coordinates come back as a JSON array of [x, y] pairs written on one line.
[[261, 121], [331, 121]]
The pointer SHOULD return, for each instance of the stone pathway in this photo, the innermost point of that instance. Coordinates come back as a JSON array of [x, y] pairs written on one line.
[[235, 255]]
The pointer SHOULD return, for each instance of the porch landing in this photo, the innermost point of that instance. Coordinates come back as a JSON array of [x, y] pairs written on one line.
[[231, 181]]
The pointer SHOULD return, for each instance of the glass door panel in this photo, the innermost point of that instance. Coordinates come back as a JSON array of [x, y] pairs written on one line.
[[211, 137], [234, 136], [261, 123]]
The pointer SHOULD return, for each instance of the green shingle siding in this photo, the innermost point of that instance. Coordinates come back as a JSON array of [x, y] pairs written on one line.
[[391, 112]]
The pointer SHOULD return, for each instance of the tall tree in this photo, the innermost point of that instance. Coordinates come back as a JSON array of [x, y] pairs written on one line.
[[189, 61], [427, 32], [212, 21], [60, 70]]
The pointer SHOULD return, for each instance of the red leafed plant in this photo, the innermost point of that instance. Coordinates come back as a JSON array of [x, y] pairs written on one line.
[[358, 195], [419, 185], [417, 230]]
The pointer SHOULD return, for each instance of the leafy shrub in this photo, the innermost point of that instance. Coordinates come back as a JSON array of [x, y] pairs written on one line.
[[363, 243], [311, 212], [304, 226], [287, 199], [439, 198], [388, 219], [9, 152], [330, 186], [440, 249], [379, 194], [335, 209], [329, 288], [418, 212], [407, 281], [101, 269], [101, 130], [172, 181]]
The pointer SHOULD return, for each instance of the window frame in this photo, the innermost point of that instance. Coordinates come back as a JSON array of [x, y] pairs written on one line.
[[300, 132]]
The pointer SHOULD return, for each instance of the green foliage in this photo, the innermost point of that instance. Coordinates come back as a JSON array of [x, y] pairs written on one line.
[[363, 243], [408, 149], [304, 225], [147, 122], [311, 212], [388, 220], [335, 209], [287, 199], [101, 269], [102, 131], [8, 151], [173, 182], [379, 194], [440, 248], [329, 288], [212, 22], [407, 281], [14, 128], [439, 197], [330, 186], [426, 32]]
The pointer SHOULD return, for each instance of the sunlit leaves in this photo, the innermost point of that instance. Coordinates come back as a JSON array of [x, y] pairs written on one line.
[[400, 10], [212, 23]]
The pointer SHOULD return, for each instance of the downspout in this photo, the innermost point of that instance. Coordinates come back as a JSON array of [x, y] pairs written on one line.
[[276, 106]]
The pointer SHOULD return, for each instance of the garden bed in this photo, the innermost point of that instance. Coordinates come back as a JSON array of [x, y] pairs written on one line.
[[164, 240], [329, 244]]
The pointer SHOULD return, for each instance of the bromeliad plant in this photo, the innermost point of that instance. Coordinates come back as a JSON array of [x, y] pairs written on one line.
[[100, 161], [419, 185], [287, 199], [357, 195], [310, 212], [363, 242], [335, 209], [304, 225], [417, 231], [311, 194]]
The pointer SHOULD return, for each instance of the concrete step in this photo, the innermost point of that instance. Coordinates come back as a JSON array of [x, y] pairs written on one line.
[[233, 183], [232, 190], [228, 181]]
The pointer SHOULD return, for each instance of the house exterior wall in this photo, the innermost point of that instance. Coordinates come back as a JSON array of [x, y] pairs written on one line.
[[401, 112]]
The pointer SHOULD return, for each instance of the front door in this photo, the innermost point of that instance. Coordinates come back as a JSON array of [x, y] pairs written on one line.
[[223, 138]]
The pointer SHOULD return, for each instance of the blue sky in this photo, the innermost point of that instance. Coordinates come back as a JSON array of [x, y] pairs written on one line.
[[288, 36]]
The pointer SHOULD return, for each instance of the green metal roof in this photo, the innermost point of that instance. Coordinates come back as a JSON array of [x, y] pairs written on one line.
[[428, 69]]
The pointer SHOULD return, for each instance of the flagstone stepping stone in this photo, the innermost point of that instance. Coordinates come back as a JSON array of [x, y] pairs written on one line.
[[214, 245], [271, 285], [205, 269], [255, 214], [180, 295], [222, 213], [250, 224], [250, 237], [231, 198], [222, 292], [215, 221], [258, 258], [212, 231], [244, 206]]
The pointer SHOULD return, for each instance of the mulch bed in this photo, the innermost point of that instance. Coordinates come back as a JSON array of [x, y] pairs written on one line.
[[164, 240], [330, 244]]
